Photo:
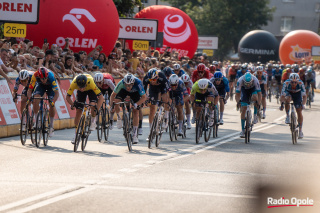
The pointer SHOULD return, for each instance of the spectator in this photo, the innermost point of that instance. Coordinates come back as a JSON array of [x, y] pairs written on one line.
[[101, 61]]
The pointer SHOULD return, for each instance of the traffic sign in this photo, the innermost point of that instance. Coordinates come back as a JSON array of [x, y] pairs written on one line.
[[15, 30], [208, 52], [140, 45]]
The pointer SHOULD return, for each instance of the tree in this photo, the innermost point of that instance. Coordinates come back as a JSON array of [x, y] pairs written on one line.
[[229, 20], [126, 7]]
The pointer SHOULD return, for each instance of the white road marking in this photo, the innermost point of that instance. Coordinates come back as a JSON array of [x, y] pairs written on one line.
[[53, 200], [127, 170], [37, 197]]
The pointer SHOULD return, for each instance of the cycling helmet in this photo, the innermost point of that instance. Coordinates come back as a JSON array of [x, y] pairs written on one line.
[[23, 75], [217, 75], [98, 77], [243, 66], [294, 77], [288, 66], [203, 83], [215, 63], [129, 79], [248, 79], [207, 69], [282, 66], [212, 68], [167, 71], [185, 78], [259, 69], [295, 66], [269, 65], [174, 79], [233, 66], [43, 72], [309, 70], [201, 67], [81, 81], [153, 73], [304, 68], [176, 66]]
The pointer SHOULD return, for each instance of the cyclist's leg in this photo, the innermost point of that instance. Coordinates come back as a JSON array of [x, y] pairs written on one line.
[[165, 98], [264, 99], [52, 111], [135, 96], [38, 92], [179, 106], [93, 101], [119, 98], [153, 96]]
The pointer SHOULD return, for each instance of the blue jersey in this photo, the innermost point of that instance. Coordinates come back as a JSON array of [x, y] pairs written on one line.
[[181, 72], [50, 82], [240, 74], [137, 87], [17, 84], [287, 88], [276, 73], [263, 79], [180, 89], [224, 84], [269, 72]]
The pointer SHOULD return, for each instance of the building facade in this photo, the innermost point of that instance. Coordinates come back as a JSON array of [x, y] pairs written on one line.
[[294, 15]]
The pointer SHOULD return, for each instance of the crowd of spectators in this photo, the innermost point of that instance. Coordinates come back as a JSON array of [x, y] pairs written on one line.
[[63, 62]]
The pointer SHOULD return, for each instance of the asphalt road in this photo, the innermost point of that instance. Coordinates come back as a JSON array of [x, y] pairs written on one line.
[[223, 175]]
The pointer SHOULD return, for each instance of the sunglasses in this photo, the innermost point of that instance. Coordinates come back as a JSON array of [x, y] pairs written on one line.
[[294, 82], [202, 90], [200, 72], [217, 79], [153, 80], [43, 79], [174, 85], [128, 85], [25, 80]]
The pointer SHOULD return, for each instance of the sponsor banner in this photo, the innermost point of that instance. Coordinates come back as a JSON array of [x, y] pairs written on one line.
[[8, 108], [26, 11], [208, 43], [64, 86], [315, 50], [61, 106], [18, 103], [140, 29]]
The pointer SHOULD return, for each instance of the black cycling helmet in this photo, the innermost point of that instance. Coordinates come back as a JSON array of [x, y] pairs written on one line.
[[81, 81], [167, 71]]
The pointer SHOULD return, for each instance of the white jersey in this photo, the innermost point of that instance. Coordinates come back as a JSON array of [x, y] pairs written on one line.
[[241, 83]]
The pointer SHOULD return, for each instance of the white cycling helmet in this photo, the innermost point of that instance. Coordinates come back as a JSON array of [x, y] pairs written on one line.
[[203, 83], [176, 66], [260, 68], [288, 66], [215, 63], [98, 77], [185, 78], [294, 77], [174, 79], [23, 74], [129, 79], [304, 67]]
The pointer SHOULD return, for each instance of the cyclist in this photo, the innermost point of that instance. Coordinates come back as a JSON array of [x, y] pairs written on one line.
[[105, 83], [179, 95], [302, 74], [188, 83], [158, 83], [204, 90], [248, 86], [295, 68], [232, 73], [167, 71], [85, 86], [200, 73], [276, 76], [293, 89], [177, 70], [129, 86], [24, 79], [286, 73], [212, 70], [216, 64], [222, 85], [46, 83], [269, 71], [262, 77], [310, 81], [242, 71], [252, 70]]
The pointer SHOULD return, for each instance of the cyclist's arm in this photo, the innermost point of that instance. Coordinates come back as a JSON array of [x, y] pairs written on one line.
[[142, 99], [112, 97], [100, 100], [68, 98]]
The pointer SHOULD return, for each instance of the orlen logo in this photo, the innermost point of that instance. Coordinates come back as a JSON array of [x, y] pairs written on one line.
[[170, 29], [298, 54], [78, 15]]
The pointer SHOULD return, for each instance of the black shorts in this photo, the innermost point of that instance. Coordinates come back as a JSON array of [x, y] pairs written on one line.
[[232, 78], [109, 90], [25, 90], [82, 97], [155, 90], [202, 97], [135, 96], [263, 92]]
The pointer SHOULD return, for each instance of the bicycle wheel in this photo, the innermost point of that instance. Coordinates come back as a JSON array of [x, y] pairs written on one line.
[[128, 135], [172, 128], [293, 128], [153, 130], [31, 130], [199, 127], [247, 127], [24, 126], [45, 127], [269, 95], [206, 127], [106, 124], [184, 129], [100, 124], [310, 98], [79, 133], [38, 130], [86, 132], [217, 120], [159, 132]]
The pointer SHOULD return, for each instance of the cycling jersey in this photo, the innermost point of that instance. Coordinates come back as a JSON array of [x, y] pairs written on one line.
[[195, 76], [232, 72], [289, 88], [108, 82], [17, 84], [211, 88], [277, 74], [302, 74], [262, 81], [241, 84], [180, 73], [269, 73], [137, 87], [285, 75], [223, 87], [179, 92], [90, 85], [240, 73], [162, 82], [51, 82]]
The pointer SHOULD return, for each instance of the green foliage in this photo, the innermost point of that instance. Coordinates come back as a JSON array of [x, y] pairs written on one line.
[[125, 7], [1, 30], [229, 20]]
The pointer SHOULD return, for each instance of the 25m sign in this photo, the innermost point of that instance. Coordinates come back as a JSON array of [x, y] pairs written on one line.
[[15, 30]]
